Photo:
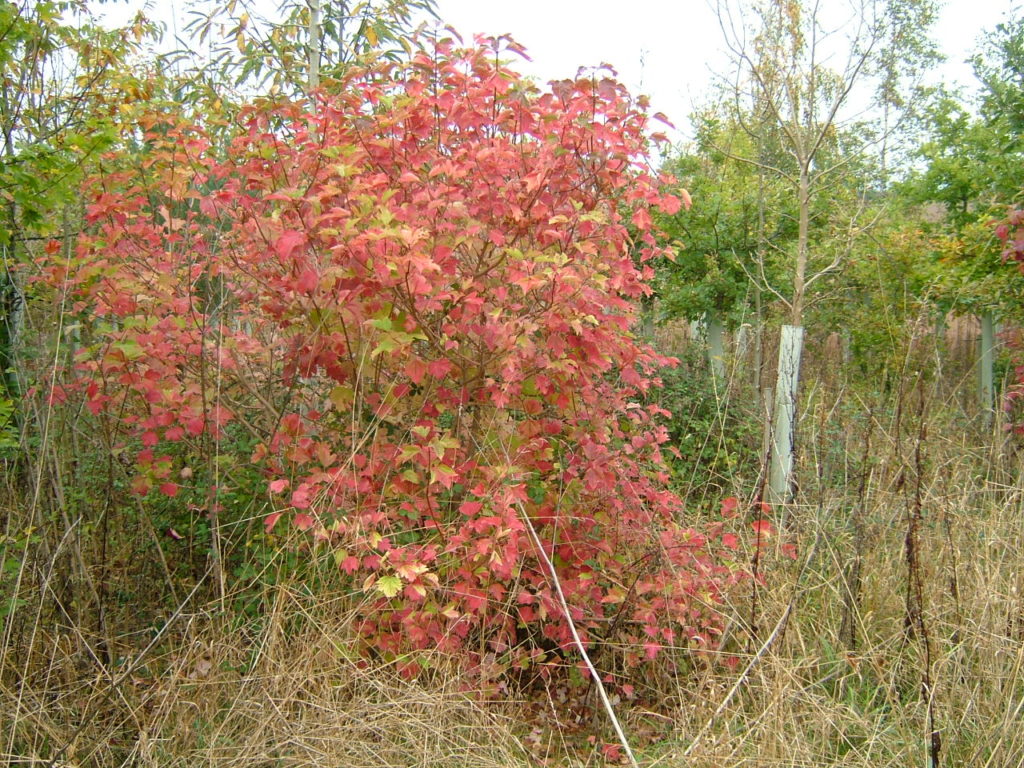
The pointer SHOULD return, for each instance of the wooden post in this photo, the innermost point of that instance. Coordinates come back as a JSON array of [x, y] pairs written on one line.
[[313, 62], [986, 362], [716, 349]]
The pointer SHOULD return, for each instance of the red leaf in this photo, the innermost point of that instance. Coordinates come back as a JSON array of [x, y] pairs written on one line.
[[289, 240], [303, 522], [271, 521], [307, 281], [276, 486], [416, 369], [471, 508], [439, 368], [612, 752], [642, 219], [169, 489], [443, 474]]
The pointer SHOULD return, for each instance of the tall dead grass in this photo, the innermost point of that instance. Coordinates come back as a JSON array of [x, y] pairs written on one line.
[[851, 655], [284, 690], [857, 653]]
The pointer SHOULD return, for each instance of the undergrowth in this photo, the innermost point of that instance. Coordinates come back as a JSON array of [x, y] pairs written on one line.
[[893, 637]]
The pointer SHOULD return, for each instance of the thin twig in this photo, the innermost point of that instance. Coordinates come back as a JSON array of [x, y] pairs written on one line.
[[557, 584]]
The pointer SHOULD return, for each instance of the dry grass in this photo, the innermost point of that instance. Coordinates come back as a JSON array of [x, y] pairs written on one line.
[[830, 674], [818, 696], [284, 691]]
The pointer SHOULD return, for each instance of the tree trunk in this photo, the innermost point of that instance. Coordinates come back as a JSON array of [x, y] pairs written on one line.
[[802, 247]]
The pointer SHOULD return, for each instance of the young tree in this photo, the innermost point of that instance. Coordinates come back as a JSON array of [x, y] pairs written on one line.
[[791, 91]]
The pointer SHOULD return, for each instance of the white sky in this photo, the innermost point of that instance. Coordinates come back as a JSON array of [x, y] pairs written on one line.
[[668, 49]]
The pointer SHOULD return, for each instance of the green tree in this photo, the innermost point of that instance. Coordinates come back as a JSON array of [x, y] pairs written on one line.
[[972, 160], [725, 245], [790, 99]]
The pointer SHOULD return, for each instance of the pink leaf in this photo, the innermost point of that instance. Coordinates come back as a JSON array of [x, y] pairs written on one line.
[[289, 240], [669, 204], [300, 498], [307, 281], [660, 117], [642, 219], [271, 521], [471, 508]]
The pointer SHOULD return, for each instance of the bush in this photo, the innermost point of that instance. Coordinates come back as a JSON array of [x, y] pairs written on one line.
[[417, 298]]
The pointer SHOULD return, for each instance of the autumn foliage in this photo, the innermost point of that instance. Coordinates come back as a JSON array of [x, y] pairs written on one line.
[[417, 296]]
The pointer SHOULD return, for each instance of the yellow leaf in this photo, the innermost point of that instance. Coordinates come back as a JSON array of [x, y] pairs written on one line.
[[389, 586]]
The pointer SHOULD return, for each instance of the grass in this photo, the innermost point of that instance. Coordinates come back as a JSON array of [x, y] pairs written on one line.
[[851, 655]]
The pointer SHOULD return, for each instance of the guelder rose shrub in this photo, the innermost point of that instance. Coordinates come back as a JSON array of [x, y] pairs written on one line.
[[419, 297]]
